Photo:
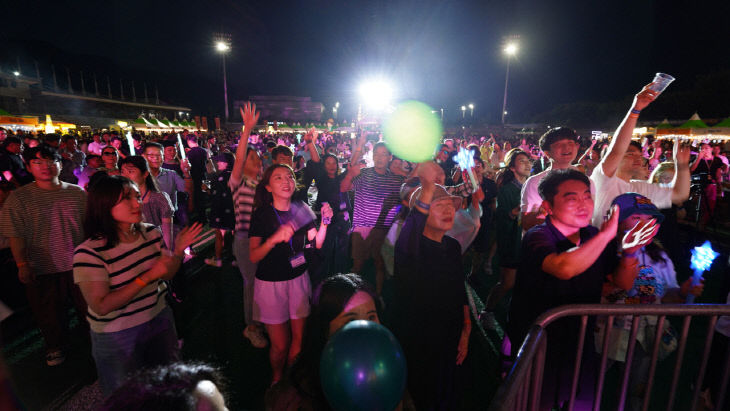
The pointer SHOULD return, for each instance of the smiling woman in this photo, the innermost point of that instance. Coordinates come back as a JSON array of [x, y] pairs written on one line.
[[120, 268]]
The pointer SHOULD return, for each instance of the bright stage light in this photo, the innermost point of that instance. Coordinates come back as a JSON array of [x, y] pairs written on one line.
[[511, 49], [376, 94], [16, 73], [222, 46]]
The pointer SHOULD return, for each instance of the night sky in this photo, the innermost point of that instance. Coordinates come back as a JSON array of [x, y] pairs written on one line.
[[446, 53]]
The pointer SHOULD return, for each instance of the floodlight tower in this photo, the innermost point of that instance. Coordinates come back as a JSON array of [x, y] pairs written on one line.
[[222, 42], [510, 49]]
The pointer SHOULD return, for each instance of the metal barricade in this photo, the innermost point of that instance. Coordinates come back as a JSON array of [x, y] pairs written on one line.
[[521, 390]]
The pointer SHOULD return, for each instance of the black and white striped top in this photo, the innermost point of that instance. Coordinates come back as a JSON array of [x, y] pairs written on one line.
[[243, 192], [119, 266]]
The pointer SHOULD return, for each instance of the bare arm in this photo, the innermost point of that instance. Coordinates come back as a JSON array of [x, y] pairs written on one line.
[[621, 139], [25, 272], [250, 116], [681, 182]]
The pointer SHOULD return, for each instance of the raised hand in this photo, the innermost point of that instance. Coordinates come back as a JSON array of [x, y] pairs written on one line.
[[610, 226], [639, 236], [249, 115], [681, 153], [429, 173], [644, 97], [187, 236], [326, 212]]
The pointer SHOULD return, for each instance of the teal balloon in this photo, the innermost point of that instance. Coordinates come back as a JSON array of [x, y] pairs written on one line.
[[413, 132], [363, 368]]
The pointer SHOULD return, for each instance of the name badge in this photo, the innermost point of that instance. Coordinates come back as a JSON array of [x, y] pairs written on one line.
[[297, 260]]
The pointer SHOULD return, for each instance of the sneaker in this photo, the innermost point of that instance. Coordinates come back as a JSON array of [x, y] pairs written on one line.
[[55, 358], [487, 320], [256, 336], [215, 262]]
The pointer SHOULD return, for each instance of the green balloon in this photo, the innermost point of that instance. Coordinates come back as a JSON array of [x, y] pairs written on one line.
[[363, 368], [413, 132]]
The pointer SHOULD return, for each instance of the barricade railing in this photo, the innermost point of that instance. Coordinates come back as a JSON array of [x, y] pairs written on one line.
[[522, 388]]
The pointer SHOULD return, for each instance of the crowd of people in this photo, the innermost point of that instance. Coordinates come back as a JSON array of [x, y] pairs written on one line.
[[106, 226]]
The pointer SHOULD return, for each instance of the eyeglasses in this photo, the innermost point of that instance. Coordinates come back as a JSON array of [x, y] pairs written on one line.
[[109, 153]]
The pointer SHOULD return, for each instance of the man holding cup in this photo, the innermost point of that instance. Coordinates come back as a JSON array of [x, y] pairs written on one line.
[[612, 176]]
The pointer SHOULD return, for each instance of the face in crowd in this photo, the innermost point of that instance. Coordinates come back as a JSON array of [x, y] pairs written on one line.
[[632, 161], [153, 155], [360, 307], [563, 152], [381, 158], [170, 154], [109, 156], [522, 166], [281, 183], [572, 205]]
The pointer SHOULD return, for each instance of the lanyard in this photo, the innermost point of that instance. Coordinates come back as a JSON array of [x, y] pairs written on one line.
[[280, 223]]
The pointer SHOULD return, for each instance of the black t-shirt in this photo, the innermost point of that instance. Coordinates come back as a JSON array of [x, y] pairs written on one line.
[[275, 266], [708, 167], [197, 157], [536, 291], [328, 189]]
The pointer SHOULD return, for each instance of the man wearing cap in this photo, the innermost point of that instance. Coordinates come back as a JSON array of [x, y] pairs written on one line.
[[566, 261], [432, 320]]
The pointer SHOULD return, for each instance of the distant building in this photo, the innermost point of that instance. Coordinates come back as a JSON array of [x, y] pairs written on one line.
[[24, 95], [288, 109]]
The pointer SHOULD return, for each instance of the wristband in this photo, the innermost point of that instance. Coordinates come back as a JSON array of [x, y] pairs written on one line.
[[635, 111], [140, 281], [423, 205], [21, 264]]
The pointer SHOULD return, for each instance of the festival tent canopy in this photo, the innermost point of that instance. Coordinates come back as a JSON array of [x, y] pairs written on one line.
[[694, 122], [724, 123], [664, 124]]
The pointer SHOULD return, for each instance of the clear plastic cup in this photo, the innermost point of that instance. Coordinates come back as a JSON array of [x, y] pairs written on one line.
[[661, 82]]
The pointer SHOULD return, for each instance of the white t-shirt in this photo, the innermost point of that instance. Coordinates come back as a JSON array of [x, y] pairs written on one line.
[[530, 197], [608, 188]]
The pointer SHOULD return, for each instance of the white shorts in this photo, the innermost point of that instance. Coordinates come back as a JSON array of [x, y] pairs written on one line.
[[276, 302]]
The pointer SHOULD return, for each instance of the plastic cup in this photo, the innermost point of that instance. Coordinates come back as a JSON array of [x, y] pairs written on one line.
[[661, 82]]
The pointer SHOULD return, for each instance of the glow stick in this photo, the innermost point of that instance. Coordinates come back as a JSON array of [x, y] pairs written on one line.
[[130, 141], [702, 258], [465, 159], [182, 148]]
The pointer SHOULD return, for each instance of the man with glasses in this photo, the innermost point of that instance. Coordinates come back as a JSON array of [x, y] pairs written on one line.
[[169, 181], [43, 221]]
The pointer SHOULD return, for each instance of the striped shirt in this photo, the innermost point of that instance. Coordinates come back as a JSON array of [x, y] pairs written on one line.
[[50, 223], [119, 266], [243, 193], [377, 198]]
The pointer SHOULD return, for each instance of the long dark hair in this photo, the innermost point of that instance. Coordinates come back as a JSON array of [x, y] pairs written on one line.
[[104, 194], [263, 197], [332, 156], [328, 301], [140, 163], [507, 175]]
